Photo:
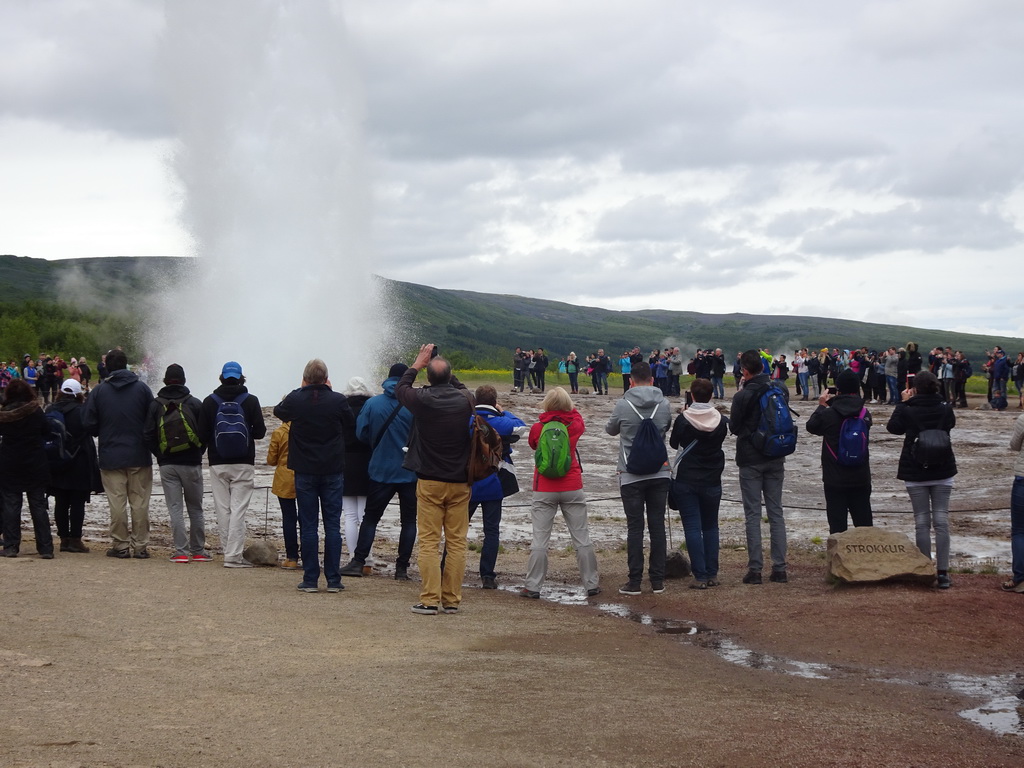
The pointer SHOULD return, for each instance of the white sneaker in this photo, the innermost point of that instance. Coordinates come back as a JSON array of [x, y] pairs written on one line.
[[237, 564]]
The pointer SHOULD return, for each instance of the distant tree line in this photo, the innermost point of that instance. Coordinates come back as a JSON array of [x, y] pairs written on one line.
[[39, 325]]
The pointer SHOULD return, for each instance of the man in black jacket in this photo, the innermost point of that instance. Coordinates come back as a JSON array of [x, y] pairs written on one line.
[[439, 448], [760, 475], [116, 413], [174, 439], [230, 423], [316, 453]]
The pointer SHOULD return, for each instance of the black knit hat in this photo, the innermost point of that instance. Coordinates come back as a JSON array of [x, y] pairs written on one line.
[[847, 383], [175, 374], [397, 370]]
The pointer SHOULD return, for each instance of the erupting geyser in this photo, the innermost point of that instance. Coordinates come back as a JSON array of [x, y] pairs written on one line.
[[269, 114]]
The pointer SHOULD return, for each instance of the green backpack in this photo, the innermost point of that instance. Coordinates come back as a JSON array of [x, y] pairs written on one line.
[[174, 432], [553, 457]]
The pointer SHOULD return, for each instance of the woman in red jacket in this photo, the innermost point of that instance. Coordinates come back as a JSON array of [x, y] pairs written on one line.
[[554, 489]]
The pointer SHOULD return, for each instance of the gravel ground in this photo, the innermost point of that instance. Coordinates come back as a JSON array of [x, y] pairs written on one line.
[[110, 662]]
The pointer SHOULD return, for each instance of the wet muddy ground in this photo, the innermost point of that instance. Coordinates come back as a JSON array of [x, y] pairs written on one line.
[[951, 658]]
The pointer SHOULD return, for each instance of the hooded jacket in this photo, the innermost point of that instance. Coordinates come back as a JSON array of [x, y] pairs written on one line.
[[705, 427], [253, 417], [918, 413], [319, 417], [81, 473], [277, 457], [357, 453], [746, 417], [23, 463], [386, 460], [1016, 444], [624, 422], [439, 440], [191, 407], [116, 412], [827, 421], [573, 479]]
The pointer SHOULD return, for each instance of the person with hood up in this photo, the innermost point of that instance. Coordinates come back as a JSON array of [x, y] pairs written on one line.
[[383, 424], [642, 495], [553, 493], [698, 433], [24, 469], [116, 414], [847, 488], [173, 439], [73, 483]]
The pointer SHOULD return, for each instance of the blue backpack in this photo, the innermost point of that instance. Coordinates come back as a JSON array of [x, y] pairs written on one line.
[[230, 428], [776, 432], [852, 449]]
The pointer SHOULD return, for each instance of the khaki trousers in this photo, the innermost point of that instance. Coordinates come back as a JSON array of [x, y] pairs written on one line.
[[130, 486], [442, 508]]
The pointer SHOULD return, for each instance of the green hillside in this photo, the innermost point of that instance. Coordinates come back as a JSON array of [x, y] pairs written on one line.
[[80, 306]]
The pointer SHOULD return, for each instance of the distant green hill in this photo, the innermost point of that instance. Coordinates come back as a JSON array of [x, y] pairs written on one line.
[[78, 306], [485, 327]]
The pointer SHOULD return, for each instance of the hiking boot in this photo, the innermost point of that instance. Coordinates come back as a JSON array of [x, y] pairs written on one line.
[[630, 588], [201, 558], [290, 565], [179, 559], [489, 582], [122, 554], [425, 610], [75, 545], [65, 542], [307, 587], [593, 592], [752, 577], [529, 593], [141, 554], [367, 570], [943, 581], [401, 574], [352, 568], [779, 577]]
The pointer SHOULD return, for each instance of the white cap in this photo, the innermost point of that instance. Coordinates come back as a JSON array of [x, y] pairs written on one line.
[[71, 387]]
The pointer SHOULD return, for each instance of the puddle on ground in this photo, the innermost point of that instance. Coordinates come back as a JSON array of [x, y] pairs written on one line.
[[1000, 710]]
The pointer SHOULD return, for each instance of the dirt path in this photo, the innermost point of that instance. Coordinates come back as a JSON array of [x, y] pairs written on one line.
[[115, 663]]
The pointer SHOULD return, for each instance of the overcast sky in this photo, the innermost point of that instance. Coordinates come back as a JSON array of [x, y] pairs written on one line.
[[861, 160]]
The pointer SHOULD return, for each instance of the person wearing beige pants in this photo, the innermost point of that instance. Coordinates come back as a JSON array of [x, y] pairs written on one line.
[[128, 487]]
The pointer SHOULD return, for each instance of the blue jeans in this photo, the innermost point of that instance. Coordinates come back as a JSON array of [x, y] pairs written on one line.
[[492, 527], [717, 387], [377, 501], [574, 382], [645, 497], [601, 382], [698, 509], [1017, 527], [894, 393], [316, 496], [804, 379]]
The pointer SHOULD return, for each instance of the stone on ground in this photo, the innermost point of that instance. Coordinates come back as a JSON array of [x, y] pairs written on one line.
[[261, 553], [867, 554]]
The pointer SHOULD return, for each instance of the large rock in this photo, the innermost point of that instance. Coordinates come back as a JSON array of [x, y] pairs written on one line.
[[862, 555], [260, 553]]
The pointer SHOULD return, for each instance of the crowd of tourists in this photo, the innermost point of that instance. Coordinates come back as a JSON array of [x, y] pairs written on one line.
[[445, 452]]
